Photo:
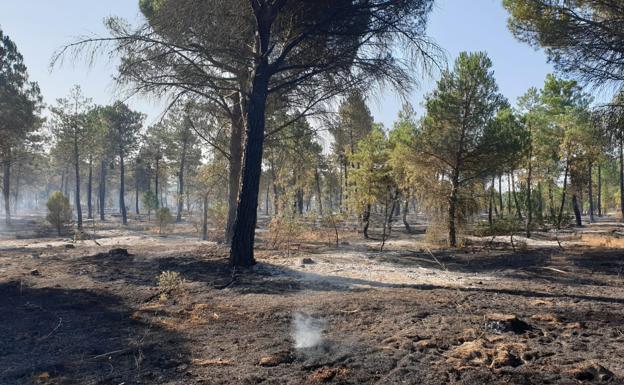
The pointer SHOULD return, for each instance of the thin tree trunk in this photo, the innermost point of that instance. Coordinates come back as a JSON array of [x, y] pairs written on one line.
[[515, 197], [266, 197], [563, 194], [102, 189], [77, 180], [319, 195], [181, 181], [509, 187], [591, 195], [90, 189], [122, 192], [622, 178], [529, 213], [205, 218], [6, 184], [404, 216], [366, 221], [500, 194], [599, 190], [156, 179], [451, 218]]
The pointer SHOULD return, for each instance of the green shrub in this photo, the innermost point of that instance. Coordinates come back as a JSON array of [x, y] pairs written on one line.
[[150, 202], [59, 211], [164, 219]]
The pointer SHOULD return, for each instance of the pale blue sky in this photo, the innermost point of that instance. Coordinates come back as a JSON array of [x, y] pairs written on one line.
[[39, 27]]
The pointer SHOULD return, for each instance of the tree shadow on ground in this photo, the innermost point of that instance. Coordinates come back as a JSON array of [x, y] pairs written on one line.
[[78, 337], [609, 262]]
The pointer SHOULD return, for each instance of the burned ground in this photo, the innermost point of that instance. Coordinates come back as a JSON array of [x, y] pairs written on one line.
[[80, 315]]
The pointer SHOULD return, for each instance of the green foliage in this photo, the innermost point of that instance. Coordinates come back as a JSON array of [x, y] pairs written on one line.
[[150, 202], [164, 219], [59, 211]]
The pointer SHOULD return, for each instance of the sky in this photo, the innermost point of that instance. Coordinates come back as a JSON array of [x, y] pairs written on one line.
[[40, 27]]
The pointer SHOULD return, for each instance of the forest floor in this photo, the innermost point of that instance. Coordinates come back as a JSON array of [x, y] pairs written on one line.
[[549, 312]]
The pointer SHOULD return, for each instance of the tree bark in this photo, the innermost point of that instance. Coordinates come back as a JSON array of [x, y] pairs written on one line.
[[77, 180], [515, 196], [563, 194], [181, 180], [500, 194], [599, 190], [235, 163], [241, 250], [122, 192], [156, 182], [529, 213], [577, 211], [622, 178], [102, 189], [366, 221], [205, 218], [451, 218], [90, 189], [6, 185], [319, 195], [590, 193], [404, 216]]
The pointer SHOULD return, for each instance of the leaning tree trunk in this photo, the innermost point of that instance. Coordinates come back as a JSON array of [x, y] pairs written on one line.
[[90, 189], [6, 184], [577, 211], [77, 197], [102, 188], [241, 251], [122, 191], [235, 164]]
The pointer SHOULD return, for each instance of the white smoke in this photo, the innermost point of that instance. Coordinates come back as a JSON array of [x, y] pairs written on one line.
[[307, 331]]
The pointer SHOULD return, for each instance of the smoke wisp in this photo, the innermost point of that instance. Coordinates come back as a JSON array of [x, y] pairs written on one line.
[[307, 331]]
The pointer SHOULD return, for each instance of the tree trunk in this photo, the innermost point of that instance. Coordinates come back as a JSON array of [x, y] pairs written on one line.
[[529, 213], [319, 195], [500, 194], [509, 188], [540, 203], [136, 188], [235, 164], [77, 180], [102, 189], [622, 178], [577, 211], [6, 184], [590, 193], [266, 197], [205, 218], [515, 196], [451, 218], [599, 190], [241, 251], [181, 181], [90, 189], [156, 178], [563, 194], [404, 216], [366, 221], [122, 192]]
